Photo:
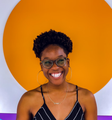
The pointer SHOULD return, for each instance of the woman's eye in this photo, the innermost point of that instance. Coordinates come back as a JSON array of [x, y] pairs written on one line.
[[60, 61], [47, 62]]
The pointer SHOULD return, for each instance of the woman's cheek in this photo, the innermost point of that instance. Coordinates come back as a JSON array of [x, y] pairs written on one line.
[[66, 72], [45, 74]]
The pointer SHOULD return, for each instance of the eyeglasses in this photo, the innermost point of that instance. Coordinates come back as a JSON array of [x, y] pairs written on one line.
[[60, 62]]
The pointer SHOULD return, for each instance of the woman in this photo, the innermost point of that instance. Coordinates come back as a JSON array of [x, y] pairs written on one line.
[[57, 99]]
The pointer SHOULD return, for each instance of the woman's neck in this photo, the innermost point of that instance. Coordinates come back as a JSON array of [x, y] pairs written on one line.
[[57, 88]]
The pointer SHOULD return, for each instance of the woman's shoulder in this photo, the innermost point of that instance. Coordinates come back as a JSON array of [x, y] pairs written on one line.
[[83, 93], [31, 95], [87, 99], [88, 103], [28, 102]]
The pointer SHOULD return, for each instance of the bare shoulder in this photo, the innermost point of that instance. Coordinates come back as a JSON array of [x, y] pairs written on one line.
[[85, 94], [28, 98], [85, 97], [82, 92], [88, 103], [32, 98], [30, 95], [27, 103]]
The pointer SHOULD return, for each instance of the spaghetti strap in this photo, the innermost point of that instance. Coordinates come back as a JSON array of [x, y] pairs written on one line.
[[77, 92], [42, 93]]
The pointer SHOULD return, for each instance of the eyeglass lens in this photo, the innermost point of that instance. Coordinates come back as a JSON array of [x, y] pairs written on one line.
[[59, 62]]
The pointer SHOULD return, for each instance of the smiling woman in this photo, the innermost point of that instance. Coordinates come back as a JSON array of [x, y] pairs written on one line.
[[57, 99]]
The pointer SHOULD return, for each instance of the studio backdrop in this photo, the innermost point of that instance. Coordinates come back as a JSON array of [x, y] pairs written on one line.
[[89, 25]]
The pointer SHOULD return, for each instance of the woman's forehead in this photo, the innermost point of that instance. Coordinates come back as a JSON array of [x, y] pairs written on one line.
[[52, 51]]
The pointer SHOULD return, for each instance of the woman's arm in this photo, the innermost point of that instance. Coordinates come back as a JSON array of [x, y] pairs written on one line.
[[23, 108], [90, 107]]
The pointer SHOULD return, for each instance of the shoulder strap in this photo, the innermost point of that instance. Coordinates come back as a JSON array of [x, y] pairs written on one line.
[[77, 92], [42, 93]]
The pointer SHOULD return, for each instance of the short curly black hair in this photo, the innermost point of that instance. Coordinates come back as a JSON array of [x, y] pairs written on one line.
[[52, 37]]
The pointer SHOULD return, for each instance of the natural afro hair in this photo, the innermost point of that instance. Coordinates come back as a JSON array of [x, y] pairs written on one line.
[[52, 37]]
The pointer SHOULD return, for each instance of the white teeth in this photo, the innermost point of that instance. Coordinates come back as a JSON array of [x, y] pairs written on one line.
[[56, 75]]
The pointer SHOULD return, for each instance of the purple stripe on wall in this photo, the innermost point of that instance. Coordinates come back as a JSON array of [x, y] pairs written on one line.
[[4, 116], [104, 117], [10, 116]]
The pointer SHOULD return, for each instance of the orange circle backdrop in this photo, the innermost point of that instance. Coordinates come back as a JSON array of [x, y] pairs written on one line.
[[87, 22]]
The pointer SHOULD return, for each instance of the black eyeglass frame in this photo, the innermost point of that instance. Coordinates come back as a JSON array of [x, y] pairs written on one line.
[[52, 61]]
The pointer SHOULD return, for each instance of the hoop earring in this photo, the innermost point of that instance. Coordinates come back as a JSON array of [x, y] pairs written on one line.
[[70, 75], [37, 78]]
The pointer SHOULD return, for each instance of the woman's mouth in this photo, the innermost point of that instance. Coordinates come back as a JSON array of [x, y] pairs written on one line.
[[56, 75]]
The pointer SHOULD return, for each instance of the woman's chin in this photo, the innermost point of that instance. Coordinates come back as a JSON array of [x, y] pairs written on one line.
[[57, 82]]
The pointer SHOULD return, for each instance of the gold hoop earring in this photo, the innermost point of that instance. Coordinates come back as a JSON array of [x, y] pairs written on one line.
[[70, 75], [37, 78]]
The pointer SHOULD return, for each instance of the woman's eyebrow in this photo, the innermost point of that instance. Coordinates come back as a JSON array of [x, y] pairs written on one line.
[[46, 58], [49, 58]]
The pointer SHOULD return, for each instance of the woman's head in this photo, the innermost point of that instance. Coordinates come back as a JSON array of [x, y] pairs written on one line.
[[52, 48], [52, 38]]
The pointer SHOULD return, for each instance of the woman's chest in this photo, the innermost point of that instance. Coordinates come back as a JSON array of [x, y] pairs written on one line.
[[66, 110]]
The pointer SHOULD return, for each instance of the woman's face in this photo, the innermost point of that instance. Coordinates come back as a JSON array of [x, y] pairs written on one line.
[[56, 75]]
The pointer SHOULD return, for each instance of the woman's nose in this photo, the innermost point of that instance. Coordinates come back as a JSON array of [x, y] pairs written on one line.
[[54, 66]]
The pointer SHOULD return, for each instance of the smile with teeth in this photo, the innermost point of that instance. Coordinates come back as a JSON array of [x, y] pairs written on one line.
[[56, 75]]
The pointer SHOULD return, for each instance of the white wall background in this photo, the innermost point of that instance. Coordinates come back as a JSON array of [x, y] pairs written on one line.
[[10, 90]]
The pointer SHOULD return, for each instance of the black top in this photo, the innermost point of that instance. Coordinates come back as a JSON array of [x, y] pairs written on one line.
[[45, 114]]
